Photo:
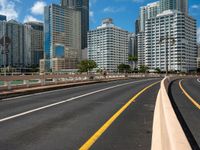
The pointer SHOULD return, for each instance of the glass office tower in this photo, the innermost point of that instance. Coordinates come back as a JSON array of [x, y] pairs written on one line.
[[83, 7], [62, 30]]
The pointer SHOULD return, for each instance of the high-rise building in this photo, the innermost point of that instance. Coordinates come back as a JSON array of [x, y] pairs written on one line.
[[131, 44], [198, 49], [34, 39], [141, 49], [2, 18], [108, 46], [147, 12], [83, 7], [180, 5], [198, 59], [170, 42], [26, 44], [137, 26], [16, 50], [62, 31]]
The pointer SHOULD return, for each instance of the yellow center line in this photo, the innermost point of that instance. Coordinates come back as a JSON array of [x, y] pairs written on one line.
[[95, 137], [188, 96]]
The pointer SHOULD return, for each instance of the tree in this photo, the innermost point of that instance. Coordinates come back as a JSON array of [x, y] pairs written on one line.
[[124, 68], [143, 69], [87, 65], [158, 70], [133, 59]]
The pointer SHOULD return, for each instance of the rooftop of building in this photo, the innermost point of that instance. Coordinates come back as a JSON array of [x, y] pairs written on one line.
[[108, 23], [153, 4]]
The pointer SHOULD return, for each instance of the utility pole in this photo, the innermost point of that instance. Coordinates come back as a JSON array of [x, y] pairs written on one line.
[[167, 38]]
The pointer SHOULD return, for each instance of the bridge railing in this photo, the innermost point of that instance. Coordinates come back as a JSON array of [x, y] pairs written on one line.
[[25, 81], [167, 131]]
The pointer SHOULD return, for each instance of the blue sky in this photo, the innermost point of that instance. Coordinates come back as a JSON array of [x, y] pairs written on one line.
[[124, 12]]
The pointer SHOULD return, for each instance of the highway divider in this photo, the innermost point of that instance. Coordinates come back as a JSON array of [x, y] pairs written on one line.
[[167, 131]]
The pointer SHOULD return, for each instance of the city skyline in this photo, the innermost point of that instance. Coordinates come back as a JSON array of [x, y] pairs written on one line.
[[124, 12]]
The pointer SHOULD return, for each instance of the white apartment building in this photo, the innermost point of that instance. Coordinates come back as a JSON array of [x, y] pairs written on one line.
[[198, 59], [108, 46], [170, 39], [146, 12], [141, 48]]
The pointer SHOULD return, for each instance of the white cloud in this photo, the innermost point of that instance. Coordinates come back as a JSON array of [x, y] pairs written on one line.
[[195, 6], [38, 8], [29, 18], [113, 9], [8, 8], [198, 35], [91, 14]]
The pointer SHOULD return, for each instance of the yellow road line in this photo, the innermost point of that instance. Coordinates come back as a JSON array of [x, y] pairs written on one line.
[[95, 137], [188, 96]]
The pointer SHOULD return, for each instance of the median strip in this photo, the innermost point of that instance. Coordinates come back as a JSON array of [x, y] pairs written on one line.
[[195, 103], [95, 137]]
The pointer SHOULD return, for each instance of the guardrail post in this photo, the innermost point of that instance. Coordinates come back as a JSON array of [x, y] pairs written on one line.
[[8, 84], [27, 83], [55, 80], [42, 81]]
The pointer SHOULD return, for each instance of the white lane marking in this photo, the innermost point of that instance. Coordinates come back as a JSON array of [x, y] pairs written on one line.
[[198, 80], [35, 94], [70, 99]]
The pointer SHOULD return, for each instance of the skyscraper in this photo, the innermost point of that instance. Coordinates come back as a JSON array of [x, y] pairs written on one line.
[[83, 7], [147, 12], [180, 5], [34, 38], [131, 44], [177, 51], [108, 46], [62, 30], [2, 18], [16, 54], [26, 44]]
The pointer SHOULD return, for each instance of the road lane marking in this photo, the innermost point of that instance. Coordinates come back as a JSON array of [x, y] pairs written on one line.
[[195, 103], [95, 137], [68, 100], [47, 92]]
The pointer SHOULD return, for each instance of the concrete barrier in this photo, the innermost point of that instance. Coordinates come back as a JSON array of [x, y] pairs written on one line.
[[167, 131]]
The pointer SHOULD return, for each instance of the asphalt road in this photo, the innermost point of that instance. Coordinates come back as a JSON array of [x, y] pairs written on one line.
[[65, 119], [187, 112]]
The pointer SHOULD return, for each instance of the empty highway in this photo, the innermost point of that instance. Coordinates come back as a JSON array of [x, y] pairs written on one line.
[[185, 97], [104, 116]]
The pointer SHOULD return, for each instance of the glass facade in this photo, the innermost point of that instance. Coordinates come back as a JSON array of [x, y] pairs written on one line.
[[62, 28], [2, 18], [83, 7]]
